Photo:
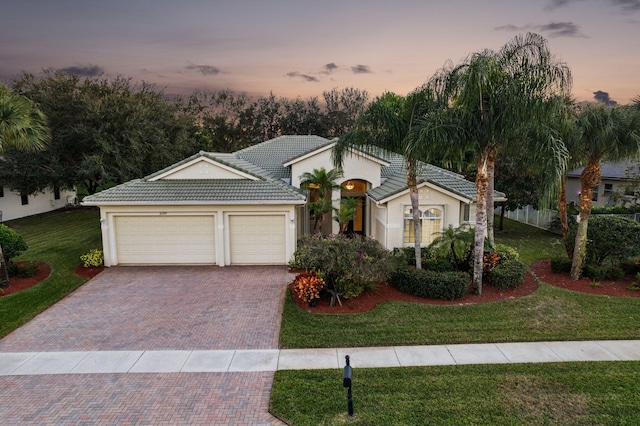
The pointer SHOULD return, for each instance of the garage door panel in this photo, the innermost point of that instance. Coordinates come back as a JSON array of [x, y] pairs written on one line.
[[165, 239], [259, 239]]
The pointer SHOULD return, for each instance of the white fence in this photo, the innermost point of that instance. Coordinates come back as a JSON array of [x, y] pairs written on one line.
[[542, 218], [531, 216]]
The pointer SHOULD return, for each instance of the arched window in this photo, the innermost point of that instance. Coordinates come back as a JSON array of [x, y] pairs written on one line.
[[430, 224]]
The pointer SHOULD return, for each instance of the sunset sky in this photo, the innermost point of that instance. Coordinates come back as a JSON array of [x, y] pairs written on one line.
[[301, 48]]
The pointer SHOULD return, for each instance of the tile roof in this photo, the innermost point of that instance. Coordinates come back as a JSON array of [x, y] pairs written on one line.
[[428, 173], [190, 191], [610, 170], [272, 154]]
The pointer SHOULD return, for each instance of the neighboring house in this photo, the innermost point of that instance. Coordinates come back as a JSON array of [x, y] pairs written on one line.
[[613, 176], [13, 205], [246, 207]]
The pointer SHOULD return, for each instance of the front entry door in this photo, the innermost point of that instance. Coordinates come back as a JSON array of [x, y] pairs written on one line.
[[357, 225]]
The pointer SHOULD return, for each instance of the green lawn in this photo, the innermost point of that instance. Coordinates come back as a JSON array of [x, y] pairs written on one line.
[[59, 239], [587, 393]]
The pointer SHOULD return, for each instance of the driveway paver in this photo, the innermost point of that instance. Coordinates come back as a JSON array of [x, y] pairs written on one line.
[[162, 308], [154, 317]]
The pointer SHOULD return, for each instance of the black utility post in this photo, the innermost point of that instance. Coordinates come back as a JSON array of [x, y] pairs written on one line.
[[346, 382]]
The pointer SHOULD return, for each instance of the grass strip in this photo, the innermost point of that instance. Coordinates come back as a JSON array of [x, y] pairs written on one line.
[[604, 393]]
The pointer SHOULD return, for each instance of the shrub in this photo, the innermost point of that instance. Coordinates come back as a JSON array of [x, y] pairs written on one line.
[[507, 253], [609, 237], [407, 255], [599, 273], [507, 274], [23, 270], [431, 284], [92, 259], [308, 285], [630, 267], [438, 264], [560, 265], [12, 243], [347, 263]]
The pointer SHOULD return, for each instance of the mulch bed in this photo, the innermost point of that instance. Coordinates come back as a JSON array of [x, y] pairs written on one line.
[[540, 269], [17, 284]]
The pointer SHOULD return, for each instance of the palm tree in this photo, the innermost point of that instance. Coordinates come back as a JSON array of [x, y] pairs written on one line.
[[322, 182], [604, 133], [390, 123], [497, 99], [22, 126], [456, 243], [346, 212]]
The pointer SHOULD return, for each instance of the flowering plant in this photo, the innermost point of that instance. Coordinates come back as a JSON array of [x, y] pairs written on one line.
[[490, 261], [308, 285], [92, 259]]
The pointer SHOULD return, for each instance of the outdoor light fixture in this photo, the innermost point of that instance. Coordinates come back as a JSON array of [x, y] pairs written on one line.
[[349, 185]]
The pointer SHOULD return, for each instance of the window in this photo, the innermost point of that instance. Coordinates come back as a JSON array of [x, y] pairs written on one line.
[[430, 224], [56, 192], [595, 193], [608, 189], [25, 199], [1, 191], [466, 212]]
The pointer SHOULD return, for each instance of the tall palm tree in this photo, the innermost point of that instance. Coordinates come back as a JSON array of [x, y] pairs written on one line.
[[497, 99], [390, 123], [322, 182], [604, 134], [22, 126]]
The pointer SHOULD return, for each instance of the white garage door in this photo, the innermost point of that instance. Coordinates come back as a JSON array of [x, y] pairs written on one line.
[[165, 239], [258, 240]]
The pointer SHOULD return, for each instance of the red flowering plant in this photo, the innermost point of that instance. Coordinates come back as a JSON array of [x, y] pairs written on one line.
[[490, 261], [308, 286]]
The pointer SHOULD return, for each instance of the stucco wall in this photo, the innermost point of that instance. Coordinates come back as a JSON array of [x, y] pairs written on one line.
[[12, 208], [202, 169]]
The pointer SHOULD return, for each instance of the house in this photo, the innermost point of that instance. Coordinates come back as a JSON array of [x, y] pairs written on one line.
[[14, 205], [247, 207], [613, 177]]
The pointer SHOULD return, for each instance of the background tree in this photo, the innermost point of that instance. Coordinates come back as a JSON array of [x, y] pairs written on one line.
[[391, 123], [494, 100], [106, 132], [22, 126], [604, 134]]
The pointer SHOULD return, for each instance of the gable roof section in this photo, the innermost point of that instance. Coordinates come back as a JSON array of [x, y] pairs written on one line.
[[243, 168], [455, 184], [272, 154], [198, 191]]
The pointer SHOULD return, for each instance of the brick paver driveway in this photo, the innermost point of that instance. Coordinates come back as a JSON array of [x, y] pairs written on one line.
[[152, 308]]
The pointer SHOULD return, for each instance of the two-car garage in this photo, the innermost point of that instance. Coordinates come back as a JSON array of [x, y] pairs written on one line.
[[211, 238]]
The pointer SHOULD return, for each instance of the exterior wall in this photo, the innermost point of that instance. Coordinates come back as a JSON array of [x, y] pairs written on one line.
[[574, 188], [354, 167], [221, 213], [429, 197], [203, 170], [11, 204]]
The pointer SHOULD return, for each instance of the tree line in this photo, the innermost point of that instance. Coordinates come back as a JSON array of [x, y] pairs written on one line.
[[109, 131]]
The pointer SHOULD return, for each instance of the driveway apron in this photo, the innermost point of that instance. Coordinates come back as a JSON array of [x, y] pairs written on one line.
[[152, 308]]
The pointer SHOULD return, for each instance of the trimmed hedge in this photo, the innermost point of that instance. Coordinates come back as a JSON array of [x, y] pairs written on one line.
[[507, 274], [431, 284], [599, 273]]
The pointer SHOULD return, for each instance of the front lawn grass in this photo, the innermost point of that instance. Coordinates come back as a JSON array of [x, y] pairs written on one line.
[[59, 239], [586, 393]]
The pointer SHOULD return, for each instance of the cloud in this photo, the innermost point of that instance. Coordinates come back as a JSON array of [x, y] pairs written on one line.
[[328, 69], [361, 69], [603, 98], [85, 71], [552, 29], [627, 5], [305, 77], [204, 69]]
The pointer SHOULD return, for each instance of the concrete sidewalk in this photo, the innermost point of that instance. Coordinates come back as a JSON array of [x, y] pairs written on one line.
[[268, 360]]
